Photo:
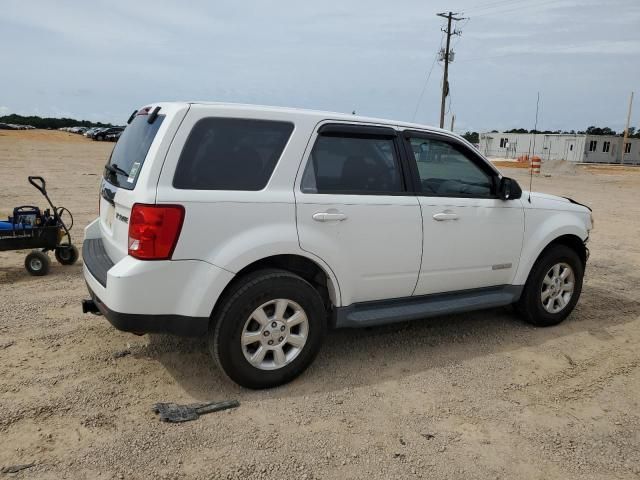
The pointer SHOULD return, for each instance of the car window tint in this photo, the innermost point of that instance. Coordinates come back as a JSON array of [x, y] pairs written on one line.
[[231, 154], [131, 150], [445, 171], [352, 165]]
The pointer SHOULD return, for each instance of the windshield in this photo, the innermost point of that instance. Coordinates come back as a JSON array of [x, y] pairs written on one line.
[[130, 151]]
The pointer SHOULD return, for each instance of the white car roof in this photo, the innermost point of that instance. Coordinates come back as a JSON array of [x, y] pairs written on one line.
[[318, 114]]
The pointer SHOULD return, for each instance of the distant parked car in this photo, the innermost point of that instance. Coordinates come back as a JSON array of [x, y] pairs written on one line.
[[97, 131], [113, 137], [102, 134]]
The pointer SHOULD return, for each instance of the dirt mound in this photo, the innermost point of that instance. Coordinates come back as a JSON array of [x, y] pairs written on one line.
[[559, 167]]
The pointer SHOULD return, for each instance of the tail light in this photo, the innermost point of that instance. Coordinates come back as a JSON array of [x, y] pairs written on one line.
[[154, 230]]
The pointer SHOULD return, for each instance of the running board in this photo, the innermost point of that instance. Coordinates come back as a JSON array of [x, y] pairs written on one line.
[[381, 312]]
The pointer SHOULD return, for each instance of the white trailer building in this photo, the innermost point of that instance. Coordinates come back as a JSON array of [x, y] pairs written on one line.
[[561, 146]]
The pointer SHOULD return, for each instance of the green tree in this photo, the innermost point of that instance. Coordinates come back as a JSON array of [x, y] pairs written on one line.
[[471, 137], [49, 122]]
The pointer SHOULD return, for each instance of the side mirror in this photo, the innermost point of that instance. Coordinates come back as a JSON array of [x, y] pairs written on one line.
[[509, 189]]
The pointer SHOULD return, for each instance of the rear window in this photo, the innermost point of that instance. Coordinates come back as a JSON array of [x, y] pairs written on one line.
[[231, 154], [129, 153]]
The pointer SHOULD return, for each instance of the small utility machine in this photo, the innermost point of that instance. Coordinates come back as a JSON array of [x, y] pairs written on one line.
[[41, 231]]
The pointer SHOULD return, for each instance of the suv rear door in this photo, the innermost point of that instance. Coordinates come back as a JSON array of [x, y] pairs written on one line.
[[355, 213], [131, 174]]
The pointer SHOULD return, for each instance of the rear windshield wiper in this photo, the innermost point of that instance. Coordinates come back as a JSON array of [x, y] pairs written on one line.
[[114, 168]]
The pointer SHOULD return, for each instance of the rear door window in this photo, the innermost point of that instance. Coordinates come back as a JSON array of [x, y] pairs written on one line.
[[352, 164], [129, 153], [231, 154]]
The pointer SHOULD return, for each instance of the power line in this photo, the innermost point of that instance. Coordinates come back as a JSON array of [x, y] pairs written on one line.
[[494, 5], [424, 87], [515, 9]]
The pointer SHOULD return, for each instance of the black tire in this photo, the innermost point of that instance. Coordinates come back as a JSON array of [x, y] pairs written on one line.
[[37, 263], [66, 254], [237, 306], [530, 305]]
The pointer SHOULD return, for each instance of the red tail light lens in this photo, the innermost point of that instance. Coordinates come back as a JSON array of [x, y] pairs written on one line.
[[154, 230]]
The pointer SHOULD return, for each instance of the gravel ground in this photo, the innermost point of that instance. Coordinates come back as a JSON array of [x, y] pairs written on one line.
[[479, 395]]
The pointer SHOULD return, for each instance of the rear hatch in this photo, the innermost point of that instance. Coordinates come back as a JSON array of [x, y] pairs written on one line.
[[131, 174]]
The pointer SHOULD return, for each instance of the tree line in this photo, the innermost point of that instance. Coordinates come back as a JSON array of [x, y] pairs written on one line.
[[48, 122], [474, 137]]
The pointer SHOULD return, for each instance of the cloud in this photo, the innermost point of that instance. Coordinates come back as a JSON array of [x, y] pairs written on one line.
[[609, 47], [332, 55]]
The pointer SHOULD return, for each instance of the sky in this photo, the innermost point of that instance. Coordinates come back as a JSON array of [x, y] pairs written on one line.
[[100, 60]]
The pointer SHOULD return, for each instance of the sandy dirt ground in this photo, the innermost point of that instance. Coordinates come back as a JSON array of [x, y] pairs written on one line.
[[479, 395]]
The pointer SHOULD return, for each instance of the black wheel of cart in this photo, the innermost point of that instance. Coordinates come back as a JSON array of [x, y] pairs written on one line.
[[37, 263], [66, 254]]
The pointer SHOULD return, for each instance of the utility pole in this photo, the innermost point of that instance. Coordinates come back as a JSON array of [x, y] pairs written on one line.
[[626, 129], [447, 57]]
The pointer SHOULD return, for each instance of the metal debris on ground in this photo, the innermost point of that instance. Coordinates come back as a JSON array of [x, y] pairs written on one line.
[[175, 413], [17, 468], [121, 353]]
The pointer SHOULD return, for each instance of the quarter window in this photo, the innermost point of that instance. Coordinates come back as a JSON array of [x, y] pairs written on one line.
[[352, 164], [231, 154], [445, 170]]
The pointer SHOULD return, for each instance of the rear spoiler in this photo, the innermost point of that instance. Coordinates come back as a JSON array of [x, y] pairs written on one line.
[[145, 111]]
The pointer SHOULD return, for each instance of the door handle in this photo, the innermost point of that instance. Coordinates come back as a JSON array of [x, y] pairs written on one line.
[[329, 217], [445, 216]]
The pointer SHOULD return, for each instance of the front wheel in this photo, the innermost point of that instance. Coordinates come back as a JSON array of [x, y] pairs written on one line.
[[553, 287], [268, 330]]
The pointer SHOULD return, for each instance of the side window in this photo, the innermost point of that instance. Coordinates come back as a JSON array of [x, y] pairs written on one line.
[[351, 164], [231, 154], [446, 171]]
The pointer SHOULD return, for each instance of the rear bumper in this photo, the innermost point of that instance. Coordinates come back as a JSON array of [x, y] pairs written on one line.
[[171, 296], [139, 323]]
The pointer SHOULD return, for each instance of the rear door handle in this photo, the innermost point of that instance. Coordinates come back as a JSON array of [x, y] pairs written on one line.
[[329, 217], [445, 216]]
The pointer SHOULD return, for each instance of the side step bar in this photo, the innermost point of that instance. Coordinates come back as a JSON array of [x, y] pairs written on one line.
[[381, 312]]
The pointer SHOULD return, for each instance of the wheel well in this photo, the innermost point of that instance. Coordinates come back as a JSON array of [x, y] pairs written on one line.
[[574, 243], [301, 266]]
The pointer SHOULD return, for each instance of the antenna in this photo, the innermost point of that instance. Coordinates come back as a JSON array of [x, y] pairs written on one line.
[[535, 129]]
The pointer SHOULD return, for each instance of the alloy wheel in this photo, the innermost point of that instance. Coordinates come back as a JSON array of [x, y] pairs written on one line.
[[274, 334]]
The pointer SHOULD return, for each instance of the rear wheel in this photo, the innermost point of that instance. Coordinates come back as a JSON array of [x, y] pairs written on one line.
[[268, 330], [553, 287], [66, 254], [37, 263]]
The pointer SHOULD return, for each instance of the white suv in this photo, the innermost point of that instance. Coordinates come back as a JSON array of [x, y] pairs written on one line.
[[262, 227]]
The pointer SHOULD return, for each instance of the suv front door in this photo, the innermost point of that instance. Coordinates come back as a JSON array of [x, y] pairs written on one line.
[[354, 211], [472, 238]]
